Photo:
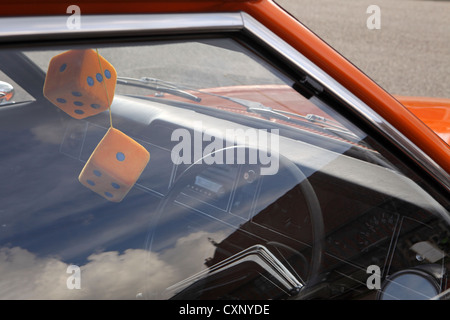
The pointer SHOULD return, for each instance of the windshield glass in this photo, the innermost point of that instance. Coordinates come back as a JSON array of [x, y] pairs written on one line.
[[198, 74], [198, 169], [197, 63]]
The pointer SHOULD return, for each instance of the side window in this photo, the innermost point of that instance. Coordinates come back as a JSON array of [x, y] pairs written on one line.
[[255, 187]]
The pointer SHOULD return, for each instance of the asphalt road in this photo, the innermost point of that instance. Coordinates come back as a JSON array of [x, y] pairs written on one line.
[[408, 55]]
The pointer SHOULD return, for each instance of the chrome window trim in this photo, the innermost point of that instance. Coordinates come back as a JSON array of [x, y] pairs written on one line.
[[20, 28], [27, 28]]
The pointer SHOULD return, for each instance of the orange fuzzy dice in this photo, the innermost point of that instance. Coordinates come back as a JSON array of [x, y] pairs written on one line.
[[76, 80], [114, 166]]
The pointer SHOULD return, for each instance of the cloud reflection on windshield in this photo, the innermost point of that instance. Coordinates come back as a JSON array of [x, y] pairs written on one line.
[[106, 275]]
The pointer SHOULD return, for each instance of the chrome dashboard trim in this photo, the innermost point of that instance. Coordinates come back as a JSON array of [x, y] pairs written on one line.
[[257, 254], [14, 29]]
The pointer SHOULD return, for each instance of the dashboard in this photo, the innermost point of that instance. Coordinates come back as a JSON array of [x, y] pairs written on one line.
[[366, 218], [309, 231]]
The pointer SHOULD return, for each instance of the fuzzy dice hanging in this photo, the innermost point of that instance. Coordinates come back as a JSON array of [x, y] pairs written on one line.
[[80, 82], [114, 166]]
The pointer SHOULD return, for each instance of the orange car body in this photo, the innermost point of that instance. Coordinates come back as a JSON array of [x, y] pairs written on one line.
[[426, 122]]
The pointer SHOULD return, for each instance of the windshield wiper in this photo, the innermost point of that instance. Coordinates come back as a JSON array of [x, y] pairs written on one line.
[[157, 85], [258, 108], [325, 123]]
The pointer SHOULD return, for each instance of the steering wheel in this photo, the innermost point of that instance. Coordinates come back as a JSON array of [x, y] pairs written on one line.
[[188, 176]]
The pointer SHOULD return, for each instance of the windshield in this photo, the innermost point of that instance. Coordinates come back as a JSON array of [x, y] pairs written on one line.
[[195, 77], [199, 168], [198, 64]]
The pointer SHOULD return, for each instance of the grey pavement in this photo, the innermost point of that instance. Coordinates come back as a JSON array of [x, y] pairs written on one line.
[[408, 55]]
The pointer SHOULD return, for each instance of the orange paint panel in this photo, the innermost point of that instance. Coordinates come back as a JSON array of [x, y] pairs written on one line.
[[434, 112]]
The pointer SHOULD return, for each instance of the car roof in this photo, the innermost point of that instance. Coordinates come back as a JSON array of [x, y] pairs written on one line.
[[54, 7]]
